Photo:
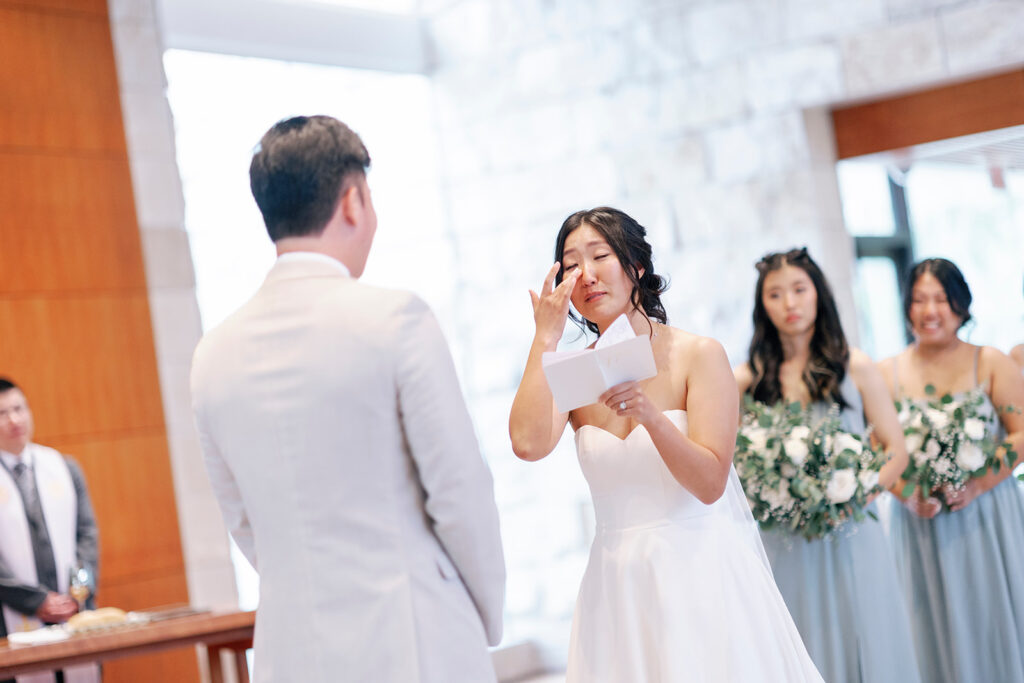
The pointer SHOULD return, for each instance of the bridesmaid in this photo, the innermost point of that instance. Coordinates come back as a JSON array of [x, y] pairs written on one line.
[[964, 569], [843, 591]]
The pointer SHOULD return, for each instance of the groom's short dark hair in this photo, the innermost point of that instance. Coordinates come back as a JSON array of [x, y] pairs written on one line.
[[299, 171]]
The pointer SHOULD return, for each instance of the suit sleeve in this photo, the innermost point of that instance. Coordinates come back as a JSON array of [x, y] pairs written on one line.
[[222, 480], [458, 485], [87, 538], [25, 598]]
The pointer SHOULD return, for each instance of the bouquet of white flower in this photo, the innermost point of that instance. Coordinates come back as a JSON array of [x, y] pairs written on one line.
[[808, 478], [949, 442]]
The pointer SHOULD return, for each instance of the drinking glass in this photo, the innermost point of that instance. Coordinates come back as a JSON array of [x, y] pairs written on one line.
[[80, 584]]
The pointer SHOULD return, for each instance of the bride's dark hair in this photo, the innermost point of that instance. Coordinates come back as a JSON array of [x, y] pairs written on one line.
[[829, 354], [627, 239]]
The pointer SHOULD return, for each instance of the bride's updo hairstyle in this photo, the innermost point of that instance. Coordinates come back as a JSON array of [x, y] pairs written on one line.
[[830, 353], [958, 294], [627, 239]]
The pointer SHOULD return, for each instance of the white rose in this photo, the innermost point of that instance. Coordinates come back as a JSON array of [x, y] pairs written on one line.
[[914, 442], [974, 428], [942, 466], [849, 442], [868, 479], [841, 486], [758, 438], [788, 471], [904, 414], [938, 418], [932, 448], [796, 450], [918, 421], [800, 432], [970, 457], [778, 498], [920, 458]]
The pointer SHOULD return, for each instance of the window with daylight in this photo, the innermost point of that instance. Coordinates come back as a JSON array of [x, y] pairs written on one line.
[[223, 104], [961, 199], [937, 173]]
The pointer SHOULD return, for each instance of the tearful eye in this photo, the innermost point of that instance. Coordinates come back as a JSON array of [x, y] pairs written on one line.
[[600, 256], [570, 267]]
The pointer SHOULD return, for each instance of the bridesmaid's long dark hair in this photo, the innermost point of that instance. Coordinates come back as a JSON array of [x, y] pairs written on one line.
[[830, 354], [628, 239]]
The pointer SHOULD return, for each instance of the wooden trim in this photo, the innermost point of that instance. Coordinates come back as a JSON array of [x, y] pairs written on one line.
[[949, 111]]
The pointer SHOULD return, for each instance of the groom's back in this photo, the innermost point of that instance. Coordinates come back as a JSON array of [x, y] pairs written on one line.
[[339, 446], [298, 391]]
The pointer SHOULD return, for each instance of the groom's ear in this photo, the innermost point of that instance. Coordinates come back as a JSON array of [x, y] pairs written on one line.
[[351, 204]]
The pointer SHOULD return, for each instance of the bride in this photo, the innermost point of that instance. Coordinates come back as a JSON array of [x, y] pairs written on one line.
[[677, 587]]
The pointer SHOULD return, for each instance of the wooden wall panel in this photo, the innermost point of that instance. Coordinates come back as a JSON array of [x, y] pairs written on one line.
[[75, 327], [58, 82], [138, 526], [94, 7], [86, 361], [975, 106], [86, 230]]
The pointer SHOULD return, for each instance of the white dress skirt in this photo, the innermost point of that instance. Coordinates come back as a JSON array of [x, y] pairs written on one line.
[[675, 590]]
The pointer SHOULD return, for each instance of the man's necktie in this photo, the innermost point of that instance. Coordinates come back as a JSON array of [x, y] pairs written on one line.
[[46, 567]]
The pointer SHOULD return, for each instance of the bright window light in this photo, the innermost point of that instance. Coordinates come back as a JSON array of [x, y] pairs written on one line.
[[223, 104]]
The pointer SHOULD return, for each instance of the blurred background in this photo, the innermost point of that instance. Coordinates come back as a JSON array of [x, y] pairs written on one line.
[[876, 133]]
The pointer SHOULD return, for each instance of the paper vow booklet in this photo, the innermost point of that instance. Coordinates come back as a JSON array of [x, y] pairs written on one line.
[[578, 378]]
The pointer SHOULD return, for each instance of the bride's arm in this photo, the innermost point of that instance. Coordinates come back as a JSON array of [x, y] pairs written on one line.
[[700, 462], [534, 424]]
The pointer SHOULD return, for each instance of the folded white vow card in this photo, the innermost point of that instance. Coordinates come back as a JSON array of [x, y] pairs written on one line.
[[578, 378]]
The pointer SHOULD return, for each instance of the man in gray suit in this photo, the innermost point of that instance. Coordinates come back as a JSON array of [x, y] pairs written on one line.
[[340, 448], [47, 528]]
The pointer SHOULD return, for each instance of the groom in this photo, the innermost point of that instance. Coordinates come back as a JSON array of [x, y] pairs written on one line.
[[339, 446]]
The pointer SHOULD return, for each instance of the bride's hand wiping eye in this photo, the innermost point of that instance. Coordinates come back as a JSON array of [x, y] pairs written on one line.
[[551, 306]]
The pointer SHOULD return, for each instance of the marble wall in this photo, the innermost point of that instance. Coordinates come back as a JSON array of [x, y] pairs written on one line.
[[706, 120]]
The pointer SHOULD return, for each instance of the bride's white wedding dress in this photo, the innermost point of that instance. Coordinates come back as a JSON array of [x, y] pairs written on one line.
[[675, 590]]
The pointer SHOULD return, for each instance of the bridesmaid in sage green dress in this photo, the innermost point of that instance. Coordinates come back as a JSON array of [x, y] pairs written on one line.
[[843, 591]]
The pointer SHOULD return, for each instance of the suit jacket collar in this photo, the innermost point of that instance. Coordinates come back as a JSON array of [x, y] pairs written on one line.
[[304, 264]]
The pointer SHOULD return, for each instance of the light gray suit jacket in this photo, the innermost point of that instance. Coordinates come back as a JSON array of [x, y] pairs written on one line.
[[339, 447]]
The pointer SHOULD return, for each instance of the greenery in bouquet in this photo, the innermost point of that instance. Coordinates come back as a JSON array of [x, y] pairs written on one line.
[[949, 441], [802, 475]]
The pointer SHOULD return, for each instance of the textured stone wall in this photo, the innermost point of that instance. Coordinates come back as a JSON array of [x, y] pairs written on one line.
[[707, 121]]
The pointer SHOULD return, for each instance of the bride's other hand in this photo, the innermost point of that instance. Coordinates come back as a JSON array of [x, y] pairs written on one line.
[[629, 400], [551, 306]]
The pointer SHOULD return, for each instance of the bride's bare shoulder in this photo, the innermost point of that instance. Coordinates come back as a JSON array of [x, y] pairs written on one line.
[[691, 347]]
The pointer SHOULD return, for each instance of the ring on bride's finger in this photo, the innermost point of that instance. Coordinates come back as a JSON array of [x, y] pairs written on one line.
[[622, 405]]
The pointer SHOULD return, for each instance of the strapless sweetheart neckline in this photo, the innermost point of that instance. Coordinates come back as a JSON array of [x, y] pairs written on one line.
[[631, 431]]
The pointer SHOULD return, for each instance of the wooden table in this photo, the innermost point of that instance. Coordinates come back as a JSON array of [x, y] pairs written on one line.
[[217, 631]]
